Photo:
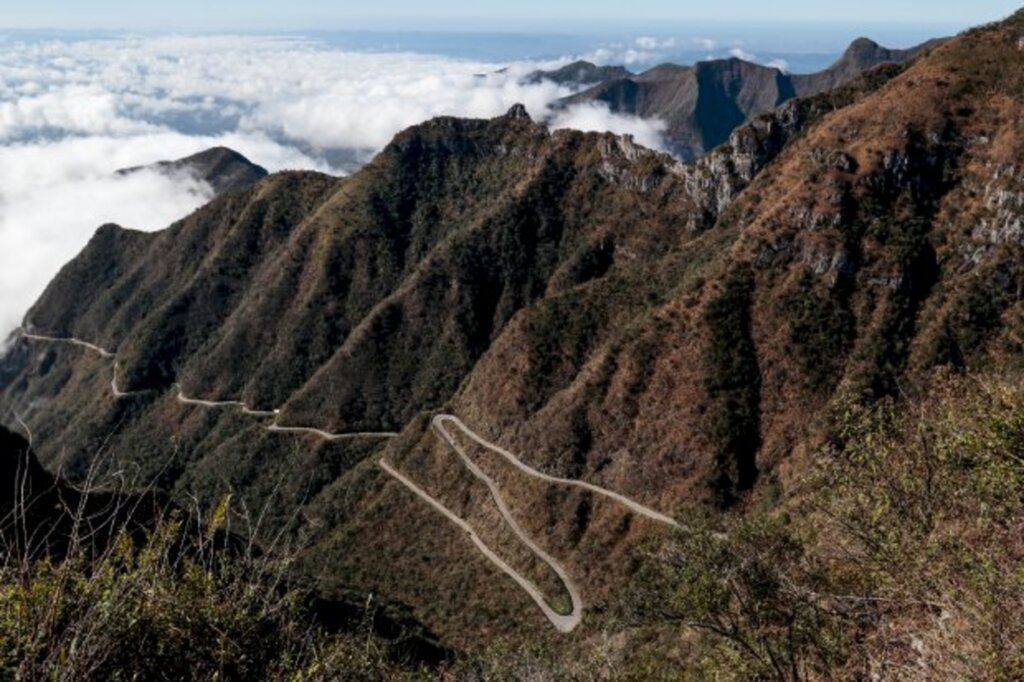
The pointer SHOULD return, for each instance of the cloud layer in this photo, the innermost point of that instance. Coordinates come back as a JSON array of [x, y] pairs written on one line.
[[53, 195], [73, 112]]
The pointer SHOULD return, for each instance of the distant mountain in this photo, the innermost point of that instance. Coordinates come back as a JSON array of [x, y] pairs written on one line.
[[222, 168], [682, 333], [702, 104], [579, 73], [861, 55]]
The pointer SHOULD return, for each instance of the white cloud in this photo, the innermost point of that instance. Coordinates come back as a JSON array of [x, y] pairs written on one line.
[[74, 109], [290, 88], [740, 53], [617, 56], [775, 63], [652, 43], [366, 111], [71, 112], [597, 117], [53, 195]]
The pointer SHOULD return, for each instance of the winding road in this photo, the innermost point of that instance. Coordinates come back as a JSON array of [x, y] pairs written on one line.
[[439, 424], [564, 623], [75, 342], [207, 404]]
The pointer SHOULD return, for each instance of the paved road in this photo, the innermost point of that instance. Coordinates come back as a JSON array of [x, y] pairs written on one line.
[[563, 623], [441, 420], [218, 404], [324, 435], [76, 342], [118, 393], [207, 404]]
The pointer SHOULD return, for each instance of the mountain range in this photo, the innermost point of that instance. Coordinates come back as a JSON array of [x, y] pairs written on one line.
[[702, 104], [680, 333]]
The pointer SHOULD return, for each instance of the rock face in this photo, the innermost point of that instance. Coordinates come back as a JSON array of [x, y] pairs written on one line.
[[221, 168], [674, 332], [702, 104]]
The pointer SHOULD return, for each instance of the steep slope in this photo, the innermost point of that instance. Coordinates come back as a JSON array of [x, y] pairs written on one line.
[[675, 333], [702, 104], [350, 304], [858, 261], [221, 168]]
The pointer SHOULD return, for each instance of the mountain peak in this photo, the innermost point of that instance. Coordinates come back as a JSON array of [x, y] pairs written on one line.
[[590, 305], [703, 104], [220, 167], [217, 154], [862, 43], [518, 112], [864, 53]]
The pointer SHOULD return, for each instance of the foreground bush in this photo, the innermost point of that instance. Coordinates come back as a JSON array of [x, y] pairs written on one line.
[[900, 556], [173, 607]]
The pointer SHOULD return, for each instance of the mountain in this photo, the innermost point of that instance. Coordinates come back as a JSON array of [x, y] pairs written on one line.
[[861, 55], [681, 334], [221, 168], [579, 73], [702, 104]]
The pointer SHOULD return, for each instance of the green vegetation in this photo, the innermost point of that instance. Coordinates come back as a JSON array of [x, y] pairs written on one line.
[[561, 331], [734, 383], [896, 555], [973, 318], [822, 329], [608, 318]]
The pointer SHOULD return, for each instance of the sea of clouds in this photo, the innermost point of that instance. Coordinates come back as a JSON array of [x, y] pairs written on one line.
[[72, 112]]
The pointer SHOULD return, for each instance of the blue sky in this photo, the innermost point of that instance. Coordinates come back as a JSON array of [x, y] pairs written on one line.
[[527, 15]]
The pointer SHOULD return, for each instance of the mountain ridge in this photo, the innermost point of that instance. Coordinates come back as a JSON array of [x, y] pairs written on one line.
[[703, 103], [578, 73]]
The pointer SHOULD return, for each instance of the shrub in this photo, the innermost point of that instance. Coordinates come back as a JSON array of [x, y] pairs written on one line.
[[899, 557], [179, 605]]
